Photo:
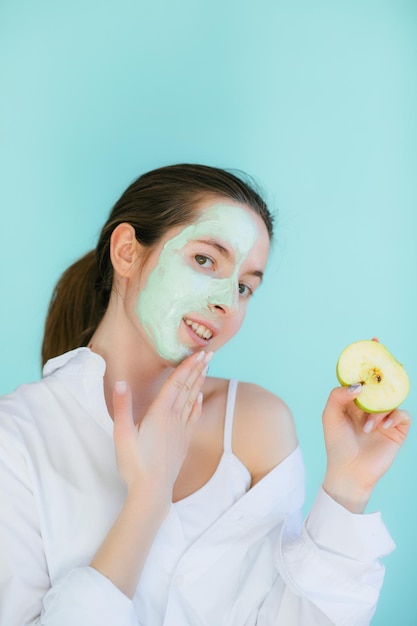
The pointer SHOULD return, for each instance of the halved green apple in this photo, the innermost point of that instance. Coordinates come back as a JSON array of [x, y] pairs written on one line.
[[385, 383]]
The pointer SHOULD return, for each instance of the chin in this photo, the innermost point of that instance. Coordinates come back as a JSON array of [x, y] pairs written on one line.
[[175, 360]]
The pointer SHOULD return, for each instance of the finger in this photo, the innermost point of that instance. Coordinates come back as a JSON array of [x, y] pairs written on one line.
[[180, 384], [187, 396], [186, 376], [374, 420], [197, 409], [341, 397], [122, 410], [182, 376], [341, 400], [397, 418], [197, 373], [387, 419]]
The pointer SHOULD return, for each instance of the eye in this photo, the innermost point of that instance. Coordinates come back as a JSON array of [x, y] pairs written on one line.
[[245, 291], [204, 261]]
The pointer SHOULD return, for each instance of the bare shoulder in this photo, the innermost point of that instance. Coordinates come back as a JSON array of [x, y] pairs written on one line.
[[264, 430]]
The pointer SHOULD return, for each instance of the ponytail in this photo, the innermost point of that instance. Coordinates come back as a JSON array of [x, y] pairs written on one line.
[[75, 309]]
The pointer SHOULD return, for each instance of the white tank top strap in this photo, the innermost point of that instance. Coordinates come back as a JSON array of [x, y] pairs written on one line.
[[230, 411]]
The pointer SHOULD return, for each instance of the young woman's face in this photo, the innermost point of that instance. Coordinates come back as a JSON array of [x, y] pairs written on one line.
[[195, 293]]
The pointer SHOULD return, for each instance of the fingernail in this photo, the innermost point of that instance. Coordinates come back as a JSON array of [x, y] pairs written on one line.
[[368, 426], [387, 424], [205, 371], [200, 356], [354, 388], [209, 356], [200, 398], [120, 386]]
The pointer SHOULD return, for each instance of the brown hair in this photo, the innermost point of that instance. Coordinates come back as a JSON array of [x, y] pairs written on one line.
[[152, 204]]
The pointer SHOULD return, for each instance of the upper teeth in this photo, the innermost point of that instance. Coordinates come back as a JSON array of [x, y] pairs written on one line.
[[199, 329]]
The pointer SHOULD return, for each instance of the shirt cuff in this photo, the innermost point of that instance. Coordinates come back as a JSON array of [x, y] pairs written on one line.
[[86, 597], [362, 537]]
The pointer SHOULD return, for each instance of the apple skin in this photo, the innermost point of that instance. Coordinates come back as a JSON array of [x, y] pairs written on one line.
[[384, 379]]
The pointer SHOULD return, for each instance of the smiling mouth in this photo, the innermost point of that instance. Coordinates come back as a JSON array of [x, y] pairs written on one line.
[[200, 330]]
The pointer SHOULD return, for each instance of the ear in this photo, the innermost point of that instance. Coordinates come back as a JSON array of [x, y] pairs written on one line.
[[124, 250]]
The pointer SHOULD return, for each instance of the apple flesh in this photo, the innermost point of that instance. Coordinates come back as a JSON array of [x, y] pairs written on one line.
[[385, 383]]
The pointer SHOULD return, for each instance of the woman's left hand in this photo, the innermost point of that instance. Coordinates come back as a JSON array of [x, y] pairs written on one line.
[[360, 447]]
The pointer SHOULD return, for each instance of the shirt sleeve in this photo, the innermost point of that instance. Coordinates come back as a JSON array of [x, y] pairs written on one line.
[[82, 598], [330, 571]]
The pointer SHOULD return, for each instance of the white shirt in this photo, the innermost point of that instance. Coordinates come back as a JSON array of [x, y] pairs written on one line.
[[257, 564]]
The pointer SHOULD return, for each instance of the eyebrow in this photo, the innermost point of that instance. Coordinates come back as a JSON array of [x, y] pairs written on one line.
[[213, 242], [258, 274], [226, 255]]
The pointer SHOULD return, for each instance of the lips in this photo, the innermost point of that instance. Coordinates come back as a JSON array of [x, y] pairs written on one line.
[[201, 330]]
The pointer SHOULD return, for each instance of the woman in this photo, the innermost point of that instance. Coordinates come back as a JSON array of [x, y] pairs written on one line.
[[138, 491]]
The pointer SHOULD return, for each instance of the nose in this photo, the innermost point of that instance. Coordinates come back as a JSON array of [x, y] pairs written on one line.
[[224, 296]]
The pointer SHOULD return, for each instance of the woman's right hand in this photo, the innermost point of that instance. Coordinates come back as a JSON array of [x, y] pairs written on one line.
[[151, 453], [149, 457]]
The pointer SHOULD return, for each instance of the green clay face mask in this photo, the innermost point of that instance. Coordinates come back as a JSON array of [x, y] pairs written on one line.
[[177, 288]]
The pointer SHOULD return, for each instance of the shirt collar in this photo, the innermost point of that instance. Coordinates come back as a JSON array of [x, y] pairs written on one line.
[[81, 371]]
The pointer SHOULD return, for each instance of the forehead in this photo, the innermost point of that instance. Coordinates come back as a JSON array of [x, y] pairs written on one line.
[[238, 226]]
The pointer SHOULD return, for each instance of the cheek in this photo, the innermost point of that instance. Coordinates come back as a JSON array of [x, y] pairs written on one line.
[[177, 290], [232, 325], [192, 287]]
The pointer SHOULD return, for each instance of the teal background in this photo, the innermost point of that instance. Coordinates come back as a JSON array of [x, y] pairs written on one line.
[[316, 99]]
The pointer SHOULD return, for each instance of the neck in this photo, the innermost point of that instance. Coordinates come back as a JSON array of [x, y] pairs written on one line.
[[128, 357]]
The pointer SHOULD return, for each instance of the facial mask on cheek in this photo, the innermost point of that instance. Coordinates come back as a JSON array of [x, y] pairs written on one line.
[[174, 289]]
